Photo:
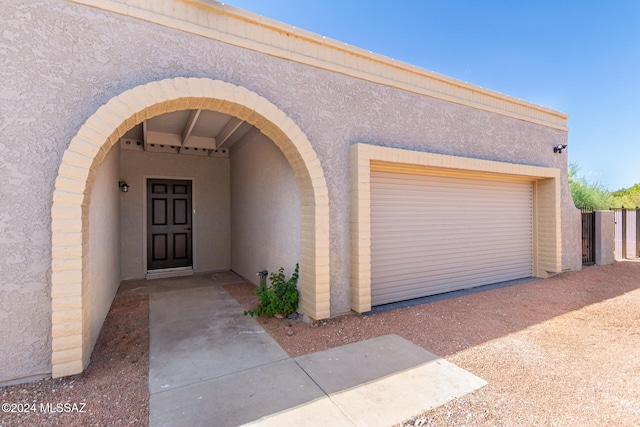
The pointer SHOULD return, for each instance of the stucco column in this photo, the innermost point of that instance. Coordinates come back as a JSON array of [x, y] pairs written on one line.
[[605, 237]]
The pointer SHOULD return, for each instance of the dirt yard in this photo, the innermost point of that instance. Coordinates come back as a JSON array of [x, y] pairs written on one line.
[[558, 352], [112, 391]]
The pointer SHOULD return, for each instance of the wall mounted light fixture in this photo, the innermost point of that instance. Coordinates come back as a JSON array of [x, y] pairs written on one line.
[[124, 187], [558, 148]]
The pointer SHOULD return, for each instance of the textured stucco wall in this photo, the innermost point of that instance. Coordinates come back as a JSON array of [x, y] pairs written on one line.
[[571, 223], [62, 61], [104, 241], [265, 209], [210, 201], [605, 237]]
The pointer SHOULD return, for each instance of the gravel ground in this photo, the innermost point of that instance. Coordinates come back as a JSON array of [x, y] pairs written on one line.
[[558, 352], [112, 391]]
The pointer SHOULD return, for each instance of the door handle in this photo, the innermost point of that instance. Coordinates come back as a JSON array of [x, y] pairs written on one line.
[[188, 229]]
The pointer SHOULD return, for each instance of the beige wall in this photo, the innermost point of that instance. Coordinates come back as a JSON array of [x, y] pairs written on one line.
[[101, 54], [265, 209], [104, 240], [210, 201], [605, 237]]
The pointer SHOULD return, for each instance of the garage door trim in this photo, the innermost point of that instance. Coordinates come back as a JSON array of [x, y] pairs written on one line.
[[547, 252]]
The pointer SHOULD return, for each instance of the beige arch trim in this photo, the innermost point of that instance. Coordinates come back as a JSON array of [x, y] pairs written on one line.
[[70, 303]]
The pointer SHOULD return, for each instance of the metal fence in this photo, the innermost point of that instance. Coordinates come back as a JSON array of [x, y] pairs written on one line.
[[627, 233], [588, 237]]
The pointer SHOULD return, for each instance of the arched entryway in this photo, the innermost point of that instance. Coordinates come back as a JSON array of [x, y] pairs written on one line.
[[70, 212]]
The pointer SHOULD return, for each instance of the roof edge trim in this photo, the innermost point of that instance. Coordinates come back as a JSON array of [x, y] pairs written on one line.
[[248, 30]]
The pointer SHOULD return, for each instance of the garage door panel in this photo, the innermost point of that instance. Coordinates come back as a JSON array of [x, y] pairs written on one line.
[[444, 285], [440, 238], [480, 236], [432, 234], [451, 223], [418, 279], [445, 259], [449, 258], [387, 179], [428, 242], [452, 208], [448, 187], [446, 269], [413, 211], [438, 231], [439, 287], [437, 195], [399, 253]]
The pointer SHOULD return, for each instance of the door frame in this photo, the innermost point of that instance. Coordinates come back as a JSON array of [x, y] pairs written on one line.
[[187, 270]]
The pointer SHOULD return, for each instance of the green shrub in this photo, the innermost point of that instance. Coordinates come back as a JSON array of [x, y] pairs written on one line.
[[279, 298]]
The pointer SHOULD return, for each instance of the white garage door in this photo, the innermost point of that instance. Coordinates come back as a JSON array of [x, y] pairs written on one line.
[[435, 234]]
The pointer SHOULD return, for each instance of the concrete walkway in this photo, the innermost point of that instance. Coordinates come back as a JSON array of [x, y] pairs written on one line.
[[212, 366]]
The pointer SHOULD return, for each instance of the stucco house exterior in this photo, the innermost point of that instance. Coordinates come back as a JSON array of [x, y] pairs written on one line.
[[246, 144]]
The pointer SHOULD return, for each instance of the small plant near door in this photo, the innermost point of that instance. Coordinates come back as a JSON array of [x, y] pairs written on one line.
[[279, 298]]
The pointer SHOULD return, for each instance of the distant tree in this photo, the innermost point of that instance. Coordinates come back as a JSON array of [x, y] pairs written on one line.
[[627, 197], [590, 195]]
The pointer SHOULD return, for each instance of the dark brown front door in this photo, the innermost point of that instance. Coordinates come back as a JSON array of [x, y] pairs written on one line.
[[169, 224]]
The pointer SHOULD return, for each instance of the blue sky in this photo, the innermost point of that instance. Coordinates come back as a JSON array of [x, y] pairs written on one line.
[[578, 57]]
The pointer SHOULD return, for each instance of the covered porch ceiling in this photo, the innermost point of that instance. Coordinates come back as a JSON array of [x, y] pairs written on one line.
[[189, 132]]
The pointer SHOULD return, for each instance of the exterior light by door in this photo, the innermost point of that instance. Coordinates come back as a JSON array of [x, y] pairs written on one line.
[[558, 148], [124, 187]]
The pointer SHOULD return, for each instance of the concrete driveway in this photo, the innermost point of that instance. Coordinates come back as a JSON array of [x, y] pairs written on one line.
[[211, 365]]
